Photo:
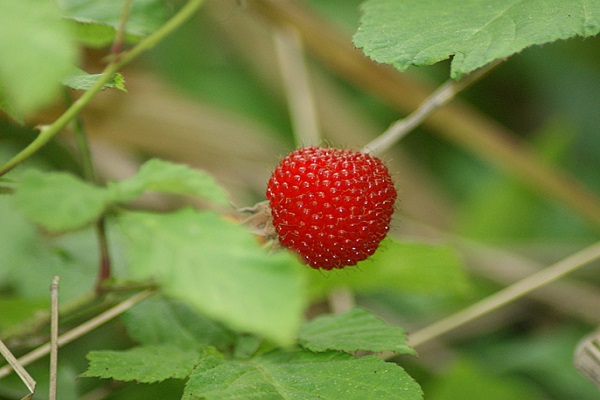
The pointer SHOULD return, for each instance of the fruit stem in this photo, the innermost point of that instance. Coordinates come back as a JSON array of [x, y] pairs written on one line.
[[47, 132], [507, 295], [440, 97]]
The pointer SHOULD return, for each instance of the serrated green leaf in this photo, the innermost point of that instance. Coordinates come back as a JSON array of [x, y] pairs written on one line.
[[162, 321], [218, 267], [97, 20], [403, 266], [59, 201], [300, 375], [352, 331], [36, 53], [146, 364], [81, 80], [164, 176], [474, 32]]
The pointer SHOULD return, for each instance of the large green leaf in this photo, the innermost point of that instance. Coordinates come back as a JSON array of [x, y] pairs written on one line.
[[164, 176], [354, 330], [142, 364], [300, 375], [218, 267], [59, 201], [473, 32], [162, 321], [402, 266], [29, 259], [97, 20], [36, 53]]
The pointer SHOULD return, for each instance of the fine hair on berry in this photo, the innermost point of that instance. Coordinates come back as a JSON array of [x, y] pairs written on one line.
[[331, 206]]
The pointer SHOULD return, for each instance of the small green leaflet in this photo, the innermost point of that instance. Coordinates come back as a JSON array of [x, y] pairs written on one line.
[[146, 364], [59, 201], [217, 267], [81, 80], [354, 330], [473, 32], [300, 375]]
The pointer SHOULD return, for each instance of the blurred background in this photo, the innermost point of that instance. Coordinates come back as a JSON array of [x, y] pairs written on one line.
[[211, 96]]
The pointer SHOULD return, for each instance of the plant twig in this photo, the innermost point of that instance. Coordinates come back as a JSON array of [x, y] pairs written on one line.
[[117, 45], [87, 164], [53, 338], [436, 100], [296, 81], [506, 295], [47, 132], [18, 367], [80, 330]]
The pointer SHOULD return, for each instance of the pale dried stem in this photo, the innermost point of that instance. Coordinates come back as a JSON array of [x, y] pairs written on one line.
[[506, 295], [18, 366], [444, 94], [79, 331], [296, 82], [341, 300], [53, 337]]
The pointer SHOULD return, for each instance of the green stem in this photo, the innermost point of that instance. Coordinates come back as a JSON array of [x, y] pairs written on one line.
[[47, 132]]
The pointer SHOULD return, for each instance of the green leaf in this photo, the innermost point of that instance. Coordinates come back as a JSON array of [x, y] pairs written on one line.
[[398, 266], [36, 53], [146, 364], [10, 109], [473, 32], [161, 321], [14, 310], [30, 259], [218, 267], [59, 201], [97, 20], [164, 176], [354, 330], [300, 375], [81, 80]]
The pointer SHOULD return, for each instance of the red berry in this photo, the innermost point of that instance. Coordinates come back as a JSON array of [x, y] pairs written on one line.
[[333, 207]]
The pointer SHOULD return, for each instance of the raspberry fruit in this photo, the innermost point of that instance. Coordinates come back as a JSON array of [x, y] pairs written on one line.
[[333, 207]]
